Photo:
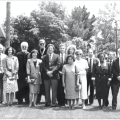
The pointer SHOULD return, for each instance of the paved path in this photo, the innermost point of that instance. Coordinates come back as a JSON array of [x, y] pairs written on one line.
[[40, 112]]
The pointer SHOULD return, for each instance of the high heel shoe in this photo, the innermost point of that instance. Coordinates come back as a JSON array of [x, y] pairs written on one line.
[[34, 105], [30, 105]]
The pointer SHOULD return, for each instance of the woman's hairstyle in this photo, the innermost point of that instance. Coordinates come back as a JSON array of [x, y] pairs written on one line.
[[1, 46], [69, 57], [71, 47], [33, 51], [99, 54], [7, 49], [50, 45], [78, 51]]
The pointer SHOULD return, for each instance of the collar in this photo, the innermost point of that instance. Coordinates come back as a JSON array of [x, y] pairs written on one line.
[[90, 58], [43, 50], [61, 53], [105, 63]]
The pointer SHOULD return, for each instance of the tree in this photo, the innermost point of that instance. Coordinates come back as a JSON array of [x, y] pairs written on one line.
[[21, 29], [80, 24], [56, 8], [104, 24], [49, 27]]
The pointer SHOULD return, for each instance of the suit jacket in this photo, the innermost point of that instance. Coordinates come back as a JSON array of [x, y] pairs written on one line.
[[115, 70], [61, 64], [3, 56], [34, 71], [41, 55], [54, 65], [110, 66], [95, 61]]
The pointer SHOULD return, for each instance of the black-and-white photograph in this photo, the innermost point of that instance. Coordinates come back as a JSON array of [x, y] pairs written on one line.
[[60, 59]]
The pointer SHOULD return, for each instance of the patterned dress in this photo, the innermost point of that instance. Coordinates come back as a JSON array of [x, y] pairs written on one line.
[[10, 66]]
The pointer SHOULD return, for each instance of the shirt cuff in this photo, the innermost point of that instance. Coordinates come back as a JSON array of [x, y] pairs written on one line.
[[109, 79], [93, 78]]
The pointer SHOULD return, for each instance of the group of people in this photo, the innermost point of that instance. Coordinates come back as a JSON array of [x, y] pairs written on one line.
[[68, 75]]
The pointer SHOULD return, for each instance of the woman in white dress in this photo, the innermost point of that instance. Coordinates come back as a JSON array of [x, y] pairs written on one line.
[[82, 68], [10, 67]]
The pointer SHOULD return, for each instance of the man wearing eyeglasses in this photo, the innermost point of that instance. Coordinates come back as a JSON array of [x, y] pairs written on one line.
[[91, 61], [41, 52]]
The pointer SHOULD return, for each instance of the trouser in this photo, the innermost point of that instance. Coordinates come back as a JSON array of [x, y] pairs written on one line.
[[90, 84], [53, 84], [1, 87], [41, 92], [115, 90], [107, 101], [23, 93], [60, 93]]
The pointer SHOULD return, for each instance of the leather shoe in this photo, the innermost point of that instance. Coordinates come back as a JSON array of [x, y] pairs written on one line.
[[54, 105], [47, 105], [113, 108], [106, 103]]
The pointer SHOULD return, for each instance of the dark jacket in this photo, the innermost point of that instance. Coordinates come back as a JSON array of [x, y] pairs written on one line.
[[115, 70], [48, 66]]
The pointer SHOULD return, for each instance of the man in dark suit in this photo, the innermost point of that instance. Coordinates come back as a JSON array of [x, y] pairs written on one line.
[[91, 60], [60, 91], [41, 53], [115, 83], [51, 64], [23, 87], [110, 62]]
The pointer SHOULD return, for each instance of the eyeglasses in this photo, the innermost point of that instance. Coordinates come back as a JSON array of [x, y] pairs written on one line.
[[79, 54], [41, 44]]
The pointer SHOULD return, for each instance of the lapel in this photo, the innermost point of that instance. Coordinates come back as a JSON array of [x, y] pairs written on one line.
[[33, 66], [53, 57], [118, 64]]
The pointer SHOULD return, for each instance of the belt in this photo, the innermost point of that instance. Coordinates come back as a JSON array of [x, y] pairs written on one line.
[[102, 75]]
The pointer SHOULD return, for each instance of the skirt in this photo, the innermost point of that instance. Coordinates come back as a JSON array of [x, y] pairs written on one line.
[[34, 88], [10, 87]]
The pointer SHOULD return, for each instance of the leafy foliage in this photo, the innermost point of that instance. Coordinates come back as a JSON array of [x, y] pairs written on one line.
[[80, 23]]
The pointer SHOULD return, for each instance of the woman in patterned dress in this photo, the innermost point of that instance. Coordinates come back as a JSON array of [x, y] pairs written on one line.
[[70, 81], [10, 67]]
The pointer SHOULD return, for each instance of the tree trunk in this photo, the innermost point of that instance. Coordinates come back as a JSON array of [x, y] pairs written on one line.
[[7, 43]]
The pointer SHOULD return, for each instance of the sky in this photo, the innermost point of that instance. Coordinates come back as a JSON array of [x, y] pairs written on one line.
[[25, 7]]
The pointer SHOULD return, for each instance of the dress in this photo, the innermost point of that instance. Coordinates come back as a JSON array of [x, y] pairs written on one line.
[[101, 74], [10, 65], [82, 65], [69, 72]]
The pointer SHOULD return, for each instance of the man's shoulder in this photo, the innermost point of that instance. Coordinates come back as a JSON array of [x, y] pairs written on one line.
[[114, 60]]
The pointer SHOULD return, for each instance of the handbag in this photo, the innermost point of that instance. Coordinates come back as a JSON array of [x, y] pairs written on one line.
[[78, 87]]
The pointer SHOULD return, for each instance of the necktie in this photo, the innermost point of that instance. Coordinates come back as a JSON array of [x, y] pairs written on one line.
[[0, 63], [62, 58], [50, 57], [90, 65], [110, 64]]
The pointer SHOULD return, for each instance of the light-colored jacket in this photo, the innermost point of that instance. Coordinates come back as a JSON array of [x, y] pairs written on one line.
[[7, 64], [34, 71], [3, 56]]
